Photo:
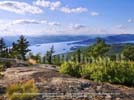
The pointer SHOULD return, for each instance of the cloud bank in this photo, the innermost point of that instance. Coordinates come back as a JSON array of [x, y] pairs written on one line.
[[19, 7]]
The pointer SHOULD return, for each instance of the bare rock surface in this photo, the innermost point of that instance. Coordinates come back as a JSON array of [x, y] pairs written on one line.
[[49, 80]]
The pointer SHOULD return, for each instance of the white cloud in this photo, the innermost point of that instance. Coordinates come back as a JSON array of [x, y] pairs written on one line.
[[28, 31], [74, 10], [57, 6], [16, 27], [76, 29], [77, 26], [130, 20], [48, 4], [19, 7], [33, 27], [120, 26], [28, 27], [119, 29], [94, 13], [54, 23], [28, 21]]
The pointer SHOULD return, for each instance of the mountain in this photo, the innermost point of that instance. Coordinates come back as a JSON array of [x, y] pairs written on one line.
[[81, 39], [46, 39], [58, 38], [120, 38], [110, 39]]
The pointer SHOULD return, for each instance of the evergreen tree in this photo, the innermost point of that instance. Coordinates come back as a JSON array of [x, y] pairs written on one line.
[[3, 49], [56, 60], [2, 44], [20, 49], [6, 52], [49, 55], [79, 55], [98, 49], [52, 50], [14, 51], [36, 57], [128, 52]]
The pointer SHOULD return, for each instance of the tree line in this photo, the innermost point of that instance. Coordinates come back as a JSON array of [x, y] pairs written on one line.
[[102, 65], [100, 48], [18, 50]]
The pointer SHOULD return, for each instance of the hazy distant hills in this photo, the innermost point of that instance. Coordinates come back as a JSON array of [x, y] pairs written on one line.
[[111, 39], [82, 39], [46, 39], [120, 38]]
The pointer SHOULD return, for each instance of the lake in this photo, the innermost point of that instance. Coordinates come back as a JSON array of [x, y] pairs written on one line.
[[59, 47]]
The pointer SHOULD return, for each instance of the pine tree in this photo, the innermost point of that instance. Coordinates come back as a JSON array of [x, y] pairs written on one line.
[[128, 52], [14, 50], [49, 55], [79, 55], [20, 49], [36, 57], [99, 49], [52, 50], [3, 49]]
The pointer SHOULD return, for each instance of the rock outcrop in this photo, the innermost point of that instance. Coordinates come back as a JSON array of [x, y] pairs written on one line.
[[49, 80]]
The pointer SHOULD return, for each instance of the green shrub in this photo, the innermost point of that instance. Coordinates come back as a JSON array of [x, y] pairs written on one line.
[[22, 91], [85, 71], [111, 71], [1, 70], [103, 70], [70, 68]]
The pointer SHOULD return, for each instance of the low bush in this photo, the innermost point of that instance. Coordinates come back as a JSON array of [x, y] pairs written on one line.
[[1, 71], [7, 65], [70, 68], [22, 91], [102, 70]]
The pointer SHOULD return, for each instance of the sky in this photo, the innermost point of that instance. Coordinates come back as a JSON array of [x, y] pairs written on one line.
[[66, 17]]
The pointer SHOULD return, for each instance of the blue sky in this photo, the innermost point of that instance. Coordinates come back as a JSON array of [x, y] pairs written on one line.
[[66, 17]]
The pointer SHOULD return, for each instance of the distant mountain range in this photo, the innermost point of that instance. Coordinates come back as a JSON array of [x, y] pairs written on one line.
[[122, 38], [46, 39], [82, 39]]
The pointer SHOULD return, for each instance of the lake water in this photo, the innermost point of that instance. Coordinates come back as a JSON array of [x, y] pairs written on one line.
[[59, 47], [128, 42]]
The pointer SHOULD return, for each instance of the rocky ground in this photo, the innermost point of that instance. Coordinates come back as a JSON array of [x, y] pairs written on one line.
[[49, 80]]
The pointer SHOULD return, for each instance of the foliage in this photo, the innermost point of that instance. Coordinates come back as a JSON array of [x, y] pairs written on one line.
[[70, 68], [85, 71], [18, 50], [3, 48], [79, 55], [13, 51], [56, 60], [49, 56], [128, 52], [36, 57], [103, 70], [22, 91], [7, 65], [1, 70], [98, 49], [112, 71], [22, 47]]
